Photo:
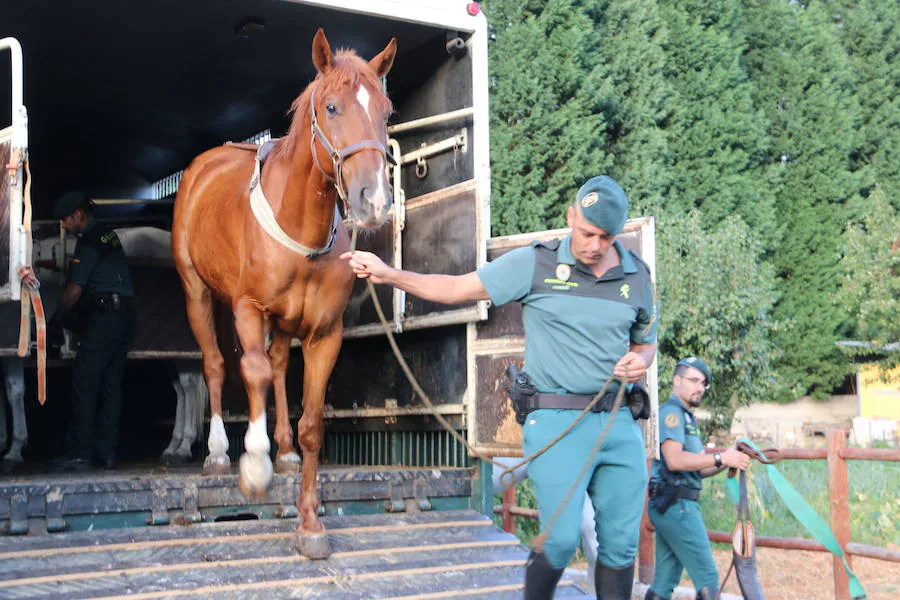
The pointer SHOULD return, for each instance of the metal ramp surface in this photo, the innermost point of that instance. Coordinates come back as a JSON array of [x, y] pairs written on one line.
[[441, 554]]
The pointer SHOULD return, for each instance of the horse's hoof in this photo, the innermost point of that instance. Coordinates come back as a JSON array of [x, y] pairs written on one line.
[[288, 464], [217, 465], [256, 475], [312, 545]]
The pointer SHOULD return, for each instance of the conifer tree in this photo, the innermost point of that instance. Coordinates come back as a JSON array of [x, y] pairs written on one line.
[[803, 83], [870, 30], [717, 137], [628, 85], [545, 139]]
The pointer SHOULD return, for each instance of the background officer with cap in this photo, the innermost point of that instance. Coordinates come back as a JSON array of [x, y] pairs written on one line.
[[589, 313], [681, 540], [100, 282]]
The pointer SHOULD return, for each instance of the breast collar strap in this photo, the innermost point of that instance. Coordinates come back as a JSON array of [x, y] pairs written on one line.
[[262, 210]]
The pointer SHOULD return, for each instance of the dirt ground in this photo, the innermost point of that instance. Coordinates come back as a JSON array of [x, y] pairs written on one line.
[[796, 575]]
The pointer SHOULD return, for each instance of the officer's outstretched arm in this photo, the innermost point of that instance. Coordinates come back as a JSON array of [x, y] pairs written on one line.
[[446, 289]]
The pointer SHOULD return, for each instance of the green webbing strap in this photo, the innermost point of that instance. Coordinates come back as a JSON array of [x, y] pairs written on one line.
[[804, 513]]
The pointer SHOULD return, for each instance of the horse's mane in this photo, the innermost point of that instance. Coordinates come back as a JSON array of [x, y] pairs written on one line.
[[347, 70]]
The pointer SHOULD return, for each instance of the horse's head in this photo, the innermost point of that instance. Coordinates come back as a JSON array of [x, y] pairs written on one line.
[[349, 111]]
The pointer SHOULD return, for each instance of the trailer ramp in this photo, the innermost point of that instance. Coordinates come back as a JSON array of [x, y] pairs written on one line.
[[441, 554]]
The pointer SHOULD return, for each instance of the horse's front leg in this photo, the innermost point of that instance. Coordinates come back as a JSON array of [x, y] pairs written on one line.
[[256, 371], [319, 356]]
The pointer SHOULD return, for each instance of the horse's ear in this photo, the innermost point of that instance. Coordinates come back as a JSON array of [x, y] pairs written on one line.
[[382, 63], [321, 52]]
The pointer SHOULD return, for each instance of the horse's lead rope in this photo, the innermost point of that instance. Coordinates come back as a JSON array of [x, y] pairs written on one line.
[[507, 471]]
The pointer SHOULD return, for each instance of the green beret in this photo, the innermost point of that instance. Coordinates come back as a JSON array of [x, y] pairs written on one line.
[[603, 204], [696, 363], [68, 203]]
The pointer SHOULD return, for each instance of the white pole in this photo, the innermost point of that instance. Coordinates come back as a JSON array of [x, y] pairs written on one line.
[[19, 140]]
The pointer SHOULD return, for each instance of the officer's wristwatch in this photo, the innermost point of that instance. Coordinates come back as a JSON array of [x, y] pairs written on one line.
[[718, 458]]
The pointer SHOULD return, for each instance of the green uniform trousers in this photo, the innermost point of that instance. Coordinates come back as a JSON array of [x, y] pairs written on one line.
[[97, 384], [616, 482], [681, 543]]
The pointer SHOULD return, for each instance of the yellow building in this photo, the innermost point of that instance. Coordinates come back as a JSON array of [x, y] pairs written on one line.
[[879, 399]]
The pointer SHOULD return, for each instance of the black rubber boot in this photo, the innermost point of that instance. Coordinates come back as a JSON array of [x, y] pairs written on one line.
[[707, 593], [612, 583], [540, 577], [651, 595]]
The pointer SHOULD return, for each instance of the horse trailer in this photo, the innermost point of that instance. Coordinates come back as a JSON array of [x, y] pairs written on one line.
[[120, 97]]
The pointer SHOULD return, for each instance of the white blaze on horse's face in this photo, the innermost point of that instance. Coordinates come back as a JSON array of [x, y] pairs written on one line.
[[362, 96], [370, 194]]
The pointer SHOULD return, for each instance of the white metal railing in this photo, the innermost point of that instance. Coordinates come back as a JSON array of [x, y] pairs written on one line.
[[168, 186]]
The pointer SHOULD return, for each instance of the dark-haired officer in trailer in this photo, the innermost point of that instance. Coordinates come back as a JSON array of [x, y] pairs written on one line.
[[97, 300], [681, 541], [589, 312]]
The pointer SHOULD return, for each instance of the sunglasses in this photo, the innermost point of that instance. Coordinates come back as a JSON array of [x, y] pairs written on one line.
[[697, 380]]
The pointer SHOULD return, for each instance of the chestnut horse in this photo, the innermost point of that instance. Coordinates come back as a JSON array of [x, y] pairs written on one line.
[[266, 243]]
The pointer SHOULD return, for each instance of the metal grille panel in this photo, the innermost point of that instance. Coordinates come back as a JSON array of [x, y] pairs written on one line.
[[395, 448]]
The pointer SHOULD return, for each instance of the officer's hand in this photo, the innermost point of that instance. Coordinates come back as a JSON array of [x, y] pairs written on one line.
[[736, 459], [631, 366], [366, 265]]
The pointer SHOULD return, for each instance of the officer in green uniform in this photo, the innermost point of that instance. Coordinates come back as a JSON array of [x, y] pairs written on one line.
[[589, 313], [681, 541], [99, 285]]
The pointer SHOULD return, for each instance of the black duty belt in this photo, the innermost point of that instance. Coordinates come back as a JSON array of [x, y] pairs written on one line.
[[688, 493], [571, 401], [112, 301]]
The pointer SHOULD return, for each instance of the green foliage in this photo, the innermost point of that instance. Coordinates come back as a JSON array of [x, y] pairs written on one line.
[[717, 301], [547, 138], [871, 277], [525, 498], [630, 88], [803, 83], [870, 31], [874, 505], [717, 138], [784, 114]]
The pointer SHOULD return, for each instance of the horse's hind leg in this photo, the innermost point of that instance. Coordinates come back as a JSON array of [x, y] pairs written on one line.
[[319, 356], [200, 313], [256, 370], [287, 460], [15, 394]]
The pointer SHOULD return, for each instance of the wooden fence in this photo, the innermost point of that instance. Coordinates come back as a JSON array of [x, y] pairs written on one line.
[[837, 454]]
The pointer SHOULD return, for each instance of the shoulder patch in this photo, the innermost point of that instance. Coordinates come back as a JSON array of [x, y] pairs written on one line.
[[549, 244], [672, 420]]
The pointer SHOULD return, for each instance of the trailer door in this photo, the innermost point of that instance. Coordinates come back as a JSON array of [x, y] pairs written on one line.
[[500, 340]]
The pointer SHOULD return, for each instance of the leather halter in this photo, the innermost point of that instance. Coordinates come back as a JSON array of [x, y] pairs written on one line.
[[338, 156]]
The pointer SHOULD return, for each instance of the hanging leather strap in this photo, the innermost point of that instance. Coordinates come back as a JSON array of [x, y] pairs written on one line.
[[31, 297]]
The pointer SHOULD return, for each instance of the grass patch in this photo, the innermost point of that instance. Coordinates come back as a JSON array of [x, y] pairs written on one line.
[[874, 504]]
